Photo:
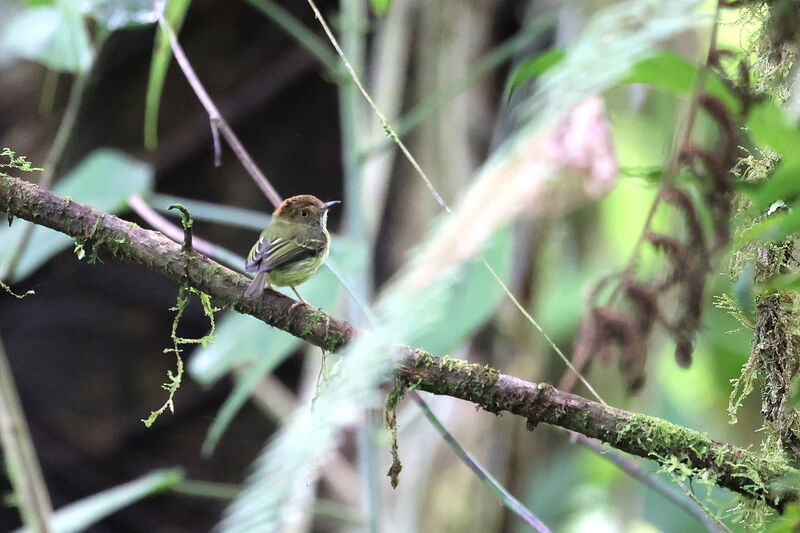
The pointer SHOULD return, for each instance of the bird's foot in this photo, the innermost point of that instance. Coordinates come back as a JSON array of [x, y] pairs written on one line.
[[299, 303]]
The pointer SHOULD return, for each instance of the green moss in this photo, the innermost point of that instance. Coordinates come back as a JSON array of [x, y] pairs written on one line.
[[448, 363], [17, 162], [393, 399], [14, 294], [330, 342], [583, 418], [390, 422], [424, 359], [174, 378]]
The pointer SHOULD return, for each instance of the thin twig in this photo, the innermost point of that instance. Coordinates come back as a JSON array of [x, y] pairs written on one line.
[[484, 475], [177, 234], [216, 118], [384, 121]]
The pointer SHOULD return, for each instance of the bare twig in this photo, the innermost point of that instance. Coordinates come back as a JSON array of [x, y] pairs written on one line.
[[217, 122], [155, 220], [480, 471]]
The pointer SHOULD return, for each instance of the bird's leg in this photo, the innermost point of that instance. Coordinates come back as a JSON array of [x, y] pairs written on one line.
[[299, 301]]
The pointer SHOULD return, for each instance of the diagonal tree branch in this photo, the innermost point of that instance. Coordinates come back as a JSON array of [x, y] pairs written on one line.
[[127, 242], [675, 447]]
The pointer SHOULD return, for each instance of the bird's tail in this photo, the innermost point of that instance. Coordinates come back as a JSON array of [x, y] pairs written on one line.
[[256, 287]]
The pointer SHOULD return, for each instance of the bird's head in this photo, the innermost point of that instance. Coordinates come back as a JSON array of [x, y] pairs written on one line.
[[304, 209]]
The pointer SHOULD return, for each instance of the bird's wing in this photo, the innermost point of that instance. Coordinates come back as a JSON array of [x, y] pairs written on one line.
[[267, 255]]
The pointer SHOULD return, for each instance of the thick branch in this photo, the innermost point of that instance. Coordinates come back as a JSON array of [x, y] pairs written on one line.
[[645, 436]]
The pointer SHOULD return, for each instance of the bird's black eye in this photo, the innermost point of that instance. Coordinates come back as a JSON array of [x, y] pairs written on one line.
[[303, 213]]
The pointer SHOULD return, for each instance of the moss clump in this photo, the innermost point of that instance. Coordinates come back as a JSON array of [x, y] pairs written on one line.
[[314, 317], [17, 162], [423, 359], [174, 378], [390, 422]]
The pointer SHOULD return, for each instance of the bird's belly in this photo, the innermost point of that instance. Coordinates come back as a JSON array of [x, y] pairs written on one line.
[[294, 274]]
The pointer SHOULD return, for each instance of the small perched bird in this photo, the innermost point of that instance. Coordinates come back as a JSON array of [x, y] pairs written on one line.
[[293, 247]]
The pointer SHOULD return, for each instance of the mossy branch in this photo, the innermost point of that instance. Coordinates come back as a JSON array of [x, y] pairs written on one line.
[[739, 470], [736, 469], [127, 242]]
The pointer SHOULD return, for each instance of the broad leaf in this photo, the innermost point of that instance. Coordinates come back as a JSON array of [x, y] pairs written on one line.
[[82, 514], [536, 66], [54, 35], [117, 14], [672, 73], [174, 13]]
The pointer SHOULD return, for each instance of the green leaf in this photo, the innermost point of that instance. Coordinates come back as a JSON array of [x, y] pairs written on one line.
[[118, 14], [774, 228], [104, 179], [612, 43], [771, 127], [666, 71], [242, 341], [531, 68], [82, 514], [174, 13], [380, 7], [672, 73], [227, 215], [55, 36]]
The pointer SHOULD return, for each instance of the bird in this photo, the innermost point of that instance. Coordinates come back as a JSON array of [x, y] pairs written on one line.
[[292, 247]]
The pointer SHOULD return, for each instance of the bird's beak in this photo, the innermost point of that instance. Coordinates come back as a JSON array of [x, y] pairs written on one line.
[[330, 204]]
